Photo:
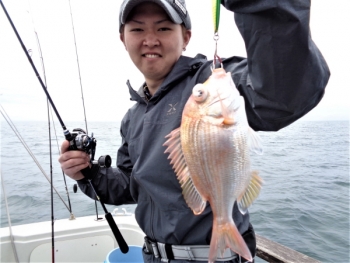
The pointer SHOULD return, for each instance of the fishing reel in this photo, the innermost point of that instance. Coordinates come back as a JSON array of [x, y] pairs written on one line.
[[79, 140], [103, 161]]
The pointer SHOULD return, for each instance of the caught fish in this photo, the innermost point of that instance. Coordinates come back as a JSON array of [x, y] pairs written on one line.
[[210, 153]]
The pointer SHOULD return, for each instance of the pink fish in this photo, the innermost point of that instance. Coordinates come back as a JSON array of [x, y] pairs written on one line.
[[210, 153]]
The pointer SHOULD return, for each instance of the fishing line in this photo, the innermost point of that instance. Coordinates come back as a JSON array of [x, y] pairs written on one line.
[[72, 217], [51, 177], [19, 136], [50, 144], [50, 110], [13, 127], [78, 140], [81, 87], [33, 67], [216, 21], [76, 52]]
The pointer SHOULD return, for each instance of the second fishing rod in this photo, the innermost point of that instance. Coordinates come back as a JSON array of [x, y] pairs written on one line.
[[78, 140]]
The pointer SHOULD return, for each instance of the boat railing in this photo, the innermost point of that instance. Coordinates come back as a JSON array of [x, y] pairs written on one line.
[[271, 251], [32, 239]]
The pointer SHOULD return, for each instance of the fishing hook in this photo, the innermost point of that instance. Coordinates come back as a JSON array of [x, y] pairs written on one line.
[[216, 59]]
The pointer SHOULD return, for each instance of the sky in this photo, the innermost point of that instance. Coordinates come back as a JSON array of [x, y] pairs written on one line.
[[105, 65]]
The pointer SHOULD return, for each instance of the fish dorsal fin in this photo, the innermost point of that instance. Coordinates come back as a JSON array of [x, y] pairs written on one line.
[[189, 191], [254, 142], [251, 192]]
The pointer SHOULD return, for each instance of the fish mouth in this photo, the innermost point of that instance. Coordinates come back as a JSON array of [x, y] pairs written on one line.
[[216, 101], [223, 106], [220, 96]]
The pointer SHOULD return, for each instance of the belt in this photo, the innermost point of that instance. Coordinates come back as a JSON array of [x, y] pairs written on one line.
[[198, 252]]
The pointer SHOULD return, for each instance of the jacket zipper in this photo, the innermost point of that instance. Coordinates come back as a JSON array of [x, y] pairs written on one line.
[[151, 221]]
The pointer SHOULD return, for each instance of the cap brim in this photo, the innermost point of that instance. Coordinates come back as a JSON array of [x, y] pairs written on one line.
[[129, 5]]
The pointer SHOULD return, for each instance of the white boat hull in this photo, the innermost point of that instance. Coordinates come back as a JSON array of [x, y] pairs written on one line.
[[80, 240]]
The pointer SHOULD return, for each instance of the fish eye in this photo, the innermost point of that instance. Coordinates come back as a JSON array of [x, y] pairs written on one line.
[[199, 92]]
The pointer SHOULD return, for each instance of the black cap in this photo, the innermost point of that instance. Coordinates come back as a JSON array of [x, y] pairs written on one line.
[[175, 9]]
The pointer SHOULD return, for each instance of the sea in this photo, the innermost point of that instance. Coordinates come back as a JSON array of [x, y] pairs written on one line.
[[304, 202]]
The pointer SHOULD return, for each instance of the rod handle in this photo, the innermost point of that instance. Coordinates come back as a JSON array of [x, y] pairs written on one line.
[[124, 248], [87, 172]]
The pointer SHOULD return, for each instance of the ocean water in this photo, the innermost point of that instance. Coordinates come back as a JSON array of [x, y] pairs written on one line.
[[304, 203]]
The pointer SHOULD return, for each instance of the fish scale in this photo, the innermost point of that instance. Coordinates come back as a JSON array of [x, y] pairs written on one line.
[[218, 167]]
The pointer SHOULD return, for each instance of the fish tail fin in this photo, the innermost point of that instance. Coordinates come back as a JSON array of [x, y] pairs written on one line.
[[227, 236]]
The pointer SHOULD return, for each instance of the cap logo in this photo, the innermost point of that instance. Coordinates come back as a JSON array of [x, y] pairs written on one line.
[[180, 6]]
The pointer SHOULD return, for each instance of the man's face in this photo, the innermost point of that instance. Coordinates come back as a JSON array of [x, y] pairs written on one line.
[[153, 41]]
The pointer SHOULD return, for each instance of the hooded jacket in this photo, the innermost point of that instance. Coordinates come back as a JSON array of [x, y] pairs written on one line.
[[283, 78]]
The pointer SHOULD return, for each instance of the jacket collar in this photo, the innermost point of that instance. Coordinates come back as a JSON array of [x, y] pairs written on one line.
[[183, 67]]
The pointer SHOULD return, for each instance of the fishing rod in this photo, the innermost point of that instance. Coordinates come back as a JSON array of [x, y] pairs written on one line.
[[72, 217], [50, 149], [76, 53], [25, 145], [78, 140], [81, 86]]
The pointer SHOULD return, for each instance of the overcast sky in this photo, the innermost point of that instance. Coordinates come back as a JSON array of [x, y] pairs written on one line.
[[105, 65]]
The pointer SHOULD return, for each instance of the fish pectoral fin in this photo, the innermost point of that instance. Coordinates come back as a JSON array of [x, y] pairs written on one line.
[[254, 142], [251, 193], [192, 197]]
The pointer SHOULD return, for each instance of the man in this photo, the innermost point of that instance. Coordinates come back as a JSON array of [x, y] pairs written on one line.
[[283, 77]]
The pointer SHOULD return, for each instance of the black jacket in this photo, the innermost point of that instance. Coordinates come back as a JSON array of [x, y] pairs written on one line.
[[282, 79]]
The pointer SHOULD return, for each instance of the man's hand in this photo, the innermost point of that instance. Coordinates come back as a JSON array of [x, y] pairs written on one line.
[[72, 162]]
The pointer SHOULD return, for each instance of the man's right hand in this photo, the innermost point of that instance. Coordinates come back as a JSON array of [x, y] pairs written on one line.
[[72, 162]]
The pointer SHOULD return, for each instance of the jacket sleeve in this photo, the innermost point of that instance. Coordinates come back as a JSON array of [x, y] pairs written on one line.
[[112, 184], [285, 74]]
